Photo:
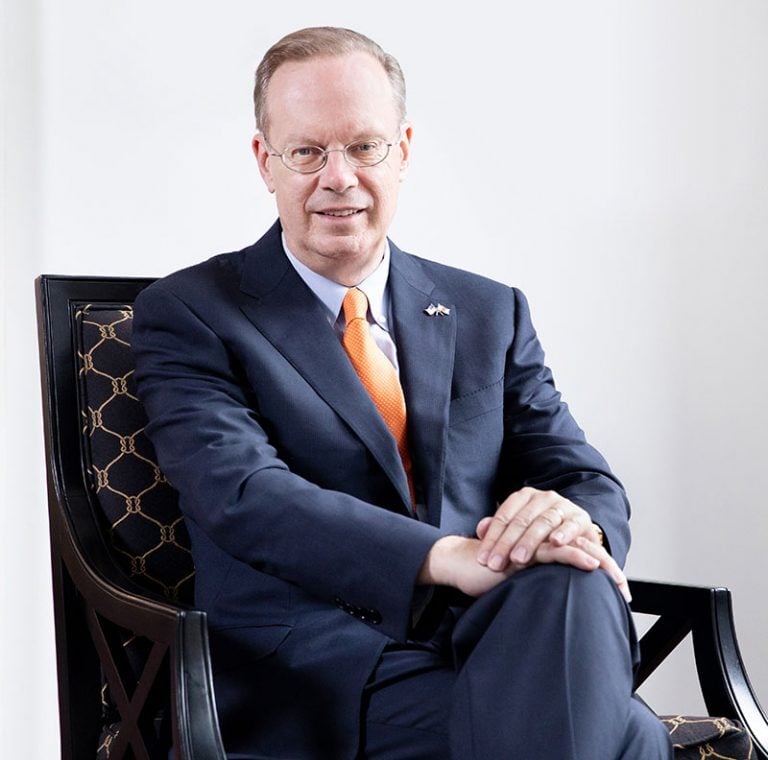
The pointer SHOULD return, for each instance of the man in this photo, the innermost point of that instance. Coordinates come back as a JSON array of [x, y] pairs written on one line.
[[431, 575]]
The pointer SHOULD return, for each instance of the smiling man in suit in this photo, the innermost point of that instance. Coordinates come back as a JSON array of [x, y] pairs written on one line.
[[404, 544]]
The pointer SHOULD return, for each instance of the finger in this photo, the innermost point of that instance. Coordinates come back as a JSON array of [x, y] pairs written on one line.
[[520, 525], [525, 520], [533, 525], [608, 563], [539, 531], [512, 517], [576, 522], [585, 555], [571, 555], [482, 527]]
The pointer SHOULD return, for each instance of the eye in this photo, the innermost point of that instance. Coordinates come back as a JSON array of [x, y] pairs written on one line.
[[364, 148], [304, 153]]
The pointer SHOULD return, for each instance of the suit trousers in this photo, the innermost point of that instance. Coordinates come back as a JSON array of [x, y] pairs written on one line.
[[540, 667]]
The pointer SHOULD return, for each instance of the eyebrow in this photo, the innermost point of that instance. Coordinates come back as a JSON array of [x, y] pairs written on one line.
[[321, 144]]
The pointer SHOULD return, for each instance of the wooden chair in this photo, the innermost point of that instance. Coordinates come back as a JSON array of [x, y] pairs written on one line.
[[134, 668]]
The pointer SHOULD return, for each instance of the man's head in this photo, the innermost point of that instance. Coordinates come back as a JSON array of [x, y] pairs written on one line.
[[316, 42], [321, 90]]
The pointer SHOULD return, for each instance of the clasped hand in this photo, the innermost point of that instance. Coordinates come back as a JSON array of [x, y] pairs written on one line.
[[529, 527]]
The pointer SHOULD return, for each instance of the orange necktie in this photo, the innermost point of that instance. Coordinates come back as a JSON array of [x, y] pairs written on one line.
[[377, 374]]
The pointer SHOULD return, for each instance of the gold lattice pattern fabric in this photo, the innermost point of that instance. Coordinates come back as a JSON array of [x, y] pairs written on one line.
[[708, 738], [138, 504]]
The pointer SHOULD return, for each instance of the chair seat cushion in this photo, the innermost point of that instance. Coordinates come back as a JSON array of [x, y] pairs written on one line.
[[697, 738]]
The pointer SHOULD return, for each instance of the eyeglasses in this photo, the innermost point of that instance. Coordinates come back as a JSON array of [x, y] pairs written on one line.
[[307, 159]]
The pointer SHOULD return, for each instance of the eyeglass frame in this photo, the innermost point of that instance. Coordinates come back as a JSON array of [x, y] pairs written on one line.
[[343, 151]]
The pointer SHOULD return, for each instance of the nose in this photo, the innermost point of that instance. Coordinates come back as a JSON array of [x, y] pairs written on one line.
[[338, 174]]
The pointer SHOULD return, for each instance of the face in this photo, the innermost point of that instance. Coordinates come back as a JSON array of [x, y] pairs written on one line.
[[335, 220]]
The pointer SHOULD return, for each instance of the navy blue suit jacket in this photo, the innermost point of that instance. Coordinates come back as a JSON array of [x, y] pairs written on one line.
[[291, 485]]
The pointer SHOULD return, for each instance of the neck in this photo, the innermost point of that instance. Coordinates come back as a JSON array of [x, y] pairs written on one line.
[[347, 271]]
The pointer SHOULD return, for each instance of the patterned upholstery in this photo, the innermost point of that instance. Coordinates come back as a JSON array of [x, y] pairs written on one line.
[[702, 738], [144, 525], [137, 505]]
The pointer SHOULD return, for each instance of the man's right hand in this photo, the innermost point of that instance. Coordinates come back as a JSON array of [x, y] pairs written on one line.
[[452, 561]]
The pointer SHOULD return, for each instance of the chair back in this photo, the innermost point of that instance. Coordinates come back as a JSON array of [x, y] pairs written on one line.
[[137, 507], [115, 521]]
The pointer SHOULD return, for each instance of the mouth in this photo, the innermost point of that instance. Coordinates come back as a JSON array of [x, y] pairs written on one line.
[[340, 213]]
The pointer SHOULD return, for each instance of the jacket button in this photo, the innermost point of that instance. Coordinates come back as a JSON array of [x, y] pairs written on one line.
[[350, 609], [341, 604], [371, 616]]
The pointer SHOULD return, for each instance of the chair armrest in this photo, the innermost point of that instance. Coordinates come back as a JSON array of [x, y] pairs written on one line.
[[103, 604], [199, 737], [707, 614]]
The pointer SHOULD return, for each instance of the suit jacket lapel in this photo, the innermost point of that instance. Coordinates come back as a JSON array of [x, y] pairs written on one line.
[[425, 352], [289, 315]]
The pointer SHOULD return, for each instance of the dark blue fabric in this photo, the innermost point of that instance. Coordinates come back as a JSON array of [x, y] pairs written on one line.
[[540, 667], [292, 487]]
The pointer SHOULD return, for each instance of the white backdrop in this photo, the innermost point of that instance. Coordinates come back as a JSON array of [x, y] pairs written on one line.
[[610, 158]]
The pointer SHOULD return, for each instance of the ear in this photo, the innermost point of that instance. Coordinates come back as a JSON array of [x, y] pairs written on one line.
[[262, 153], [405, 149]]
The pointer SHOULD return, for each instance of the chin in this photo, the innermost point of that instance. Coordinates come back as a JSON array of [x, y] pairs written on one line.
[[341, 246]]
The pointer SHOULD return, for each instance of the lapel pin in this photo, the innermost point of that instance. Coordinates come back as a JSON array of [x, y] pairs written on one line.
[[439, 310]]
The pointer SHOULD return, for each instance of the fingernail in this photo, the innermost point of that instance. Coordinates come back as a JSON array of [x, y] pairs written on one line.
[[520, 555], [496, 562], [559, 536], [482, 558]]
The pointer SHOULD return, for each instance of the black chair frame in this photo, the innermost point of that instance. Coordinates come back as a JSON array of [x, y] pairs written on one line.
[[93, 597], [707, 615], [95, 601]]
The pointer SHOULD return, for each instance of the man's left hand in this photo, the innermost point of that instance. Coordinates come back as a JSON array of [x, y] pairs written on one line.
[[528, 521]]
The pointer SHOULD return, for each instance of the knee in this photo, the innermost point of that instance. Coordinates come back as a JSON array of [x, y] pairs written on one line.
[[555, 606], [553, 591], [554, 580], [557, 588]]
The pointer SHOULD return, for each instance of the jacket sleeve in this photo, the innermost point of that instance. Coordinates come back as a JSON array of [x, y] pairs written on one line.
[[545, 448], [234, 486]]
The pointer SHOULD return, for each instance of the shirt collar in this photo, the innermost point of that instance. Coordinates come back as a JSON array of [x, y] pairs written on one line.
[[331, 293]]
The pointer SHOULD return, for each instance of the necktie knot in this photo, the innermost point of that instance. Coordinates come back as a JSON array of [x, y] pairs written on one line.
[[355, 305]]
